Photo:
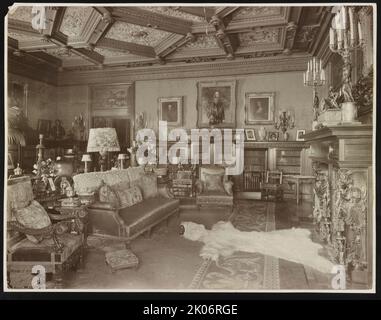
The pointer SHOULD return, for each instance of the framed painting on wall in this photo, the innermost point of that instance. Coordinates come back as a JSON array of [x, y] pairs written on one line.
[[171, 110], [111, 97], [216, 104], [259, 108], [18, 96]]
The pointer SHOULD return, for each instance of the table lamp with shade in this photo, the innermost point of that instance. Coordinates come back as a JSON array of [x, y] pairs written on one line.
[[122, 157], [86, 158], [103, 140]]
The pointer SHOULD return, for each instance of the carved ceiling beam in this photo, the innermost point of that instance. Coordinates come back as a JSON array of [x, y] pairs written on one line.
[[198, 11], [223, 39], [172, 43], [290, 37], [222, 12], [46, 58], [88, 55], [324, 23], [54, 18], [152, 20], [138, 49], [97, 25], [22, 27]]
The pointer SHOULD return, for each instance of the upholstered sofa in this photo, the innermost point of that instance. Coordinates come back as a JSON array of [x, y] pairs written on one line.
[[126, 202]]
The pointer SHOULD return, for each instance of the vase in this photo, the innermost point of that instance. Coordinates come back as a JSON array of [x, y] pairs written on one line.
[[285, 136], [348, 112], [262, 133], [133, 162]]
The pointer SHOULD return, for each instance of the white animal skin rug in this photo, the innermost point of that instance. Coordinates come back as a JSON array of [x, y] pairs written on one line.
[[290, 244]]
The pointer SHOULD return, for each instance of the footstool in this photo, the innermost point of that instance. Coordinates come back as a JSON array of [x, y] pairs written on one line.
[[121, 259]]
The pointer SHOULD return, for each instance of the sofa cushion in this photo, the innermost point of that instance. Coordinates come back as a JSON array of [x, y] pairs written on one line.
[[33, 216], [129, 197], [146, 213], [213, 182], [148, 185], [107, 194]]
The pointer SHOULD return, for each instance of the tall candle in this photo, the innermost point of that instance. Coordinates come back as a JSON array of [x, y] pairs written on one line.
[[331, 37], [320, 65], [360, 32], [304, 78], [339, 39], [344, 16], [351, 25]]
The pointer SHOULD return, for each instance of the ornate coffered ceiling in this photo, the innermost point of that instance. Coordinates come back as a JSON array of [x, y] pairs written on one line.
[[106, 37]]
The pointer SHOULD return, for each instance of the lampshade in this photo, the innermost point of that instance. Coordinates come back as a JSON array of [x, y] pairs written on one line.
[[122, 156], [103, 140], [86, 157]]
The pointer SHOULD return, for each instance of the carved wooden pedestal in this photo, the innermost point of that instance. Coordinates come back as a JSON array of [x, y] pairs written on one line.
[[343, 208]]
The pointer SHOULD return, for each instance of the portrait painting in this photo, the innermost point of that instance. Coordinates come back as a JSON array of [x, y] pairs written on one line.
[[216, 104], [259, 108], [300, 134], [170, 110]]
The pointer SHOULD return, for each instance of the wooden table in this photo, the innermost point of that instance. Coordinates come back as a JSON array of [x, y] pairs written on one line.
[[298, 180]]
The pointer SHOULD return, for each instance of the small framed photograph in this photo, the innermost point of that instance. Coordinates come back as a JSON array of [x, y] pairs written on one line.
[[273, 136], [171, 110], [259, 108], [300, 134], [250, 135]]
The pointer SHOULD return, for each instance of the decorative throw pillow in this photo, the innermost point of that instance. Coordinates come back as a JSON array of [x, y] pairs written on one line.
[[148, 186], [213, 182], [107, 194], [129, 197], [228, 186], [33, 216]]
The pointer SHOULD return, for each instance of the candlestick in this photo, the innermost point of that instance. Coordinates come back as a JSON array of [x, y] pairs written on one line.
[[344, 15], [360, 32], [331, 37]]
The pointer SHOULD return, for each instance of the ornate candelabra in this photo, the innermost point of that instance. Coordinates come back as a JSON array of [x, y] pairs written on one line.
[[345, 35], [285, 121], [314, 77]]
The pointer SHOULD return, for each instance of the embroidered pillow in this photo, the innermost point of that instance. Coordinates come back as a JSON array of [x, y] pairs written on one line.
[[33, 216], [213, 182], [129, 197], [148, 186], [107, 194]]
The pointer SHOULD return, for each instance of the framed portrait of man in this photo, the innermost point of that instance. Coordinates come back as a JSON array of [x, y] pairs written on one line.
[[170, 110], [216, 104], [259, 108]]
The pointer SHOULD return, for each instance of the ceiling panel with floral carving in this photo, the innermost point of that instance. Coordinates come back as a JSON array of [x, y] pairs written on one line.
[[22, 13], [136, 34], [74, 20], [259, 36], [251, 12], [173, 12]]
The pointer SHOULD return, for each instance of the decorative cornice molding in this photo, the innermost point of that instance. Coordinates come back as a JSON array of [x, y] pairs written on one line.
[[195, 70]]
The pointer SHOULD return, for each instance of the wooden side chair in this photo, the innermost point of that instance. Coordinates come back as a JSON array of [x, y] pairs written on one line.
[[272, 185]]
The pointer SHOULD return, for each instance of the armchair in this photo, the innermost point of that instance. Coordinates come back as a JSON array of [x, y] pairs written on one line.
[[272, 185], [34, 237], [213, 188]]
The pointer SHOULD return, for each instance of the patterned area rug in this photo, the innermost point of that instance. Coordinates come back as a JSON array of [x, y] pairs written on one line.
[[243, 270]]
